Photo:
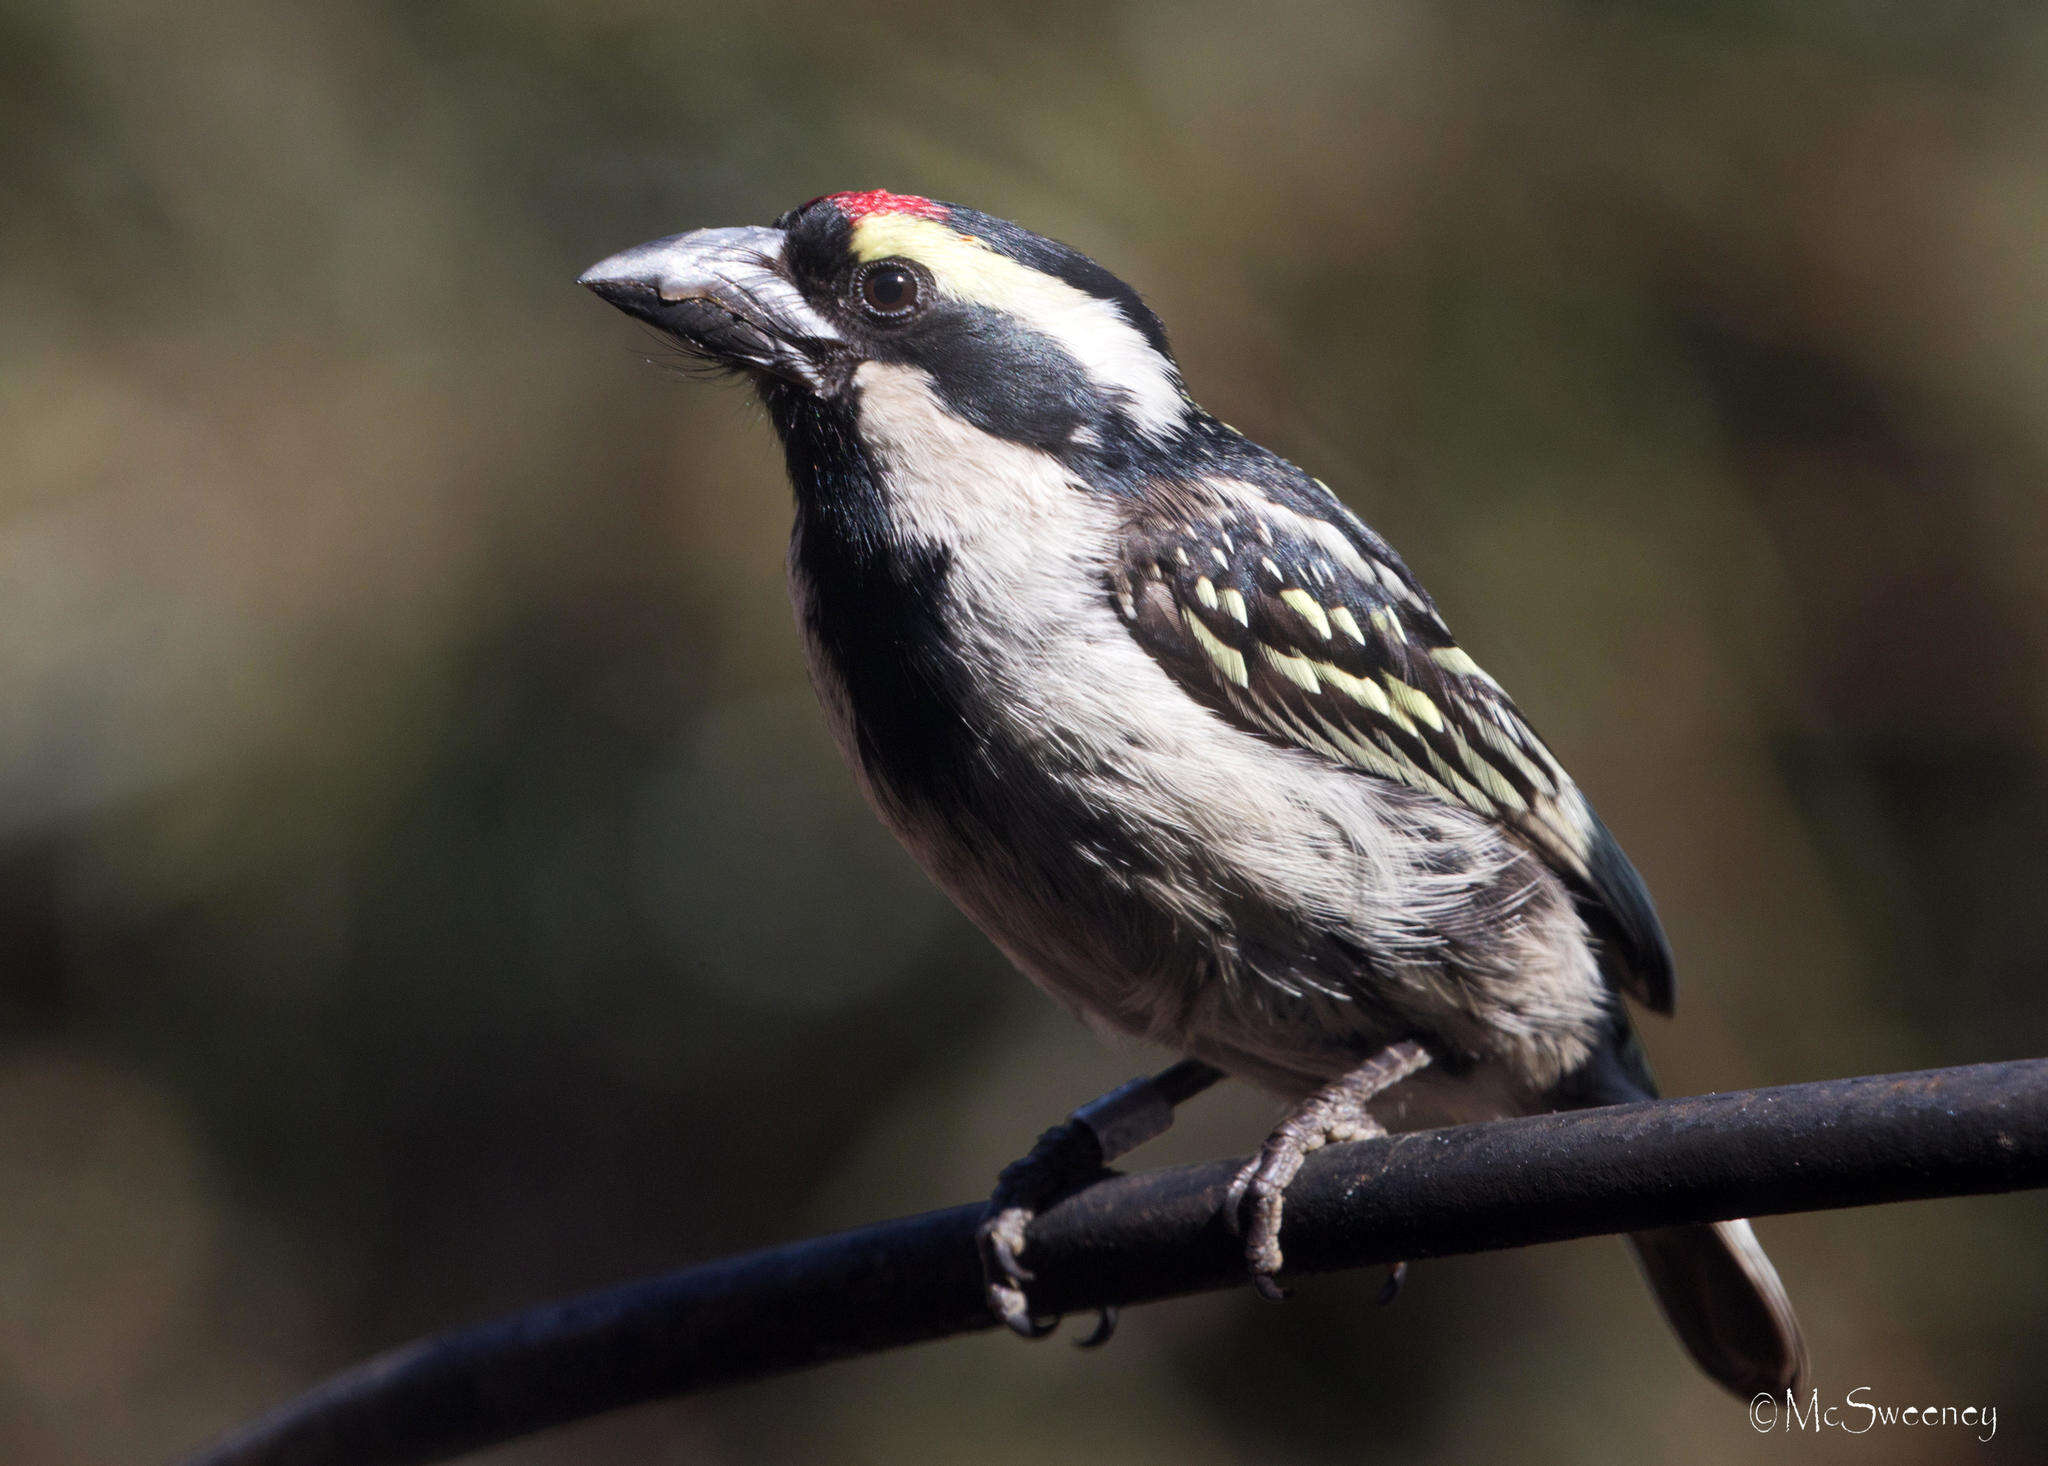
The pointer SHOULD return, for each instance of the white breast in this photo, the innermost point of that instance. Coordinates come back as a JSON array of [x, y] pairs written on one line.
[[1235, 822]]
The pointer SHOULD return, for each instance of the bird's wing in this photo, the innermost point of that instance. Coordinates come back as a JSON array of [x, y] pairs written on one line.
[[1292, 619]]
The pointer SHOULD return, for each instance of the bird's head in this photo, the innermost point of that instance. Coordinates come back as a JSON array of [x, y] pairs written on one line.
[[1020, 336]]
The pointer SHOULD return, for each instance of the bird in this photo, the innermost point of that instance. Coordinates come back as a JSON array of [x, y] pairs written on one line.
[[1182, 735]]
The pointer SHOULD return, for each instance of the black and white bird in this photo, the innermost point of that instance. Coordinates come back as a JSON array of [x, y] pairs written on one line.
[[1182, 735]]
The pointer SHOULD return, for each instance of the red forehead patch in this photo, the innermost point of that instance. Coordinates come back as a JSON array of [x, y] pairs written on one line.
[[857, 206]]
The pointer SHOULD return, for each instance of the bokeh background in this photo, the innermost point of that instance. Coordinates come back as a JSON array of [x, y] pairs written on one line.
[[425, 884]]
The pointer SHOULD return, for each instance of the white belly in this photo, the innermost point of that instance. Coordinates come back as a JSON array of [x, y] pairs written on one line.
[[1158, 868]]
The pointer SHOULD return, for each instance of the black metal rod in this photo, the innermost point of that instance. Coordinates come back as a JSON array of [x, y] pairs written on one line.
[[1133, 1239]]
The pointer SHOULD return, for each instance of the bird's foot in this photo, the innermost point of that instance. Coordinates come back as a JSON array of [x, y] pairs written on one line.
[[1066, 1158], [1257, 1196]]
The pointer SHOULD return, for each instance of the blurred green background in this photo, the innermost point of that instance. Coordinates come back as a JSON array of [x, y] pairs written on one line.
[[426, 886]]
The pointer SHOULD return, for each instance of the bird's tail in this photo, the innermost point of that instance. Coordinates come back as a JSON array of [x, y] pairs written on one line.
[[1724, 1301], [1712, 1279]]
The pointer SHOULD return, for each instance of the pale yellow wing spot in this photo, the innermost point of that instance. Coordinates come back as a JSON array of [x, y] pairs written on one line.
[[1498, 739], [1488, 777], [1364, 754], [1347, 623], [1416, 704], [1309, 609], [1367, 694], [1413, 773], [1313, 737], [1454, 659], [1468, 793], [1295, 669], [1227, 658]]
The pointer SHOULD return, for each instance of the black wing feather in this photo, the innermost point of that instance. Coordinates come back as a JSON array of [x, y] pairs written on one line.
[[1291, 618]]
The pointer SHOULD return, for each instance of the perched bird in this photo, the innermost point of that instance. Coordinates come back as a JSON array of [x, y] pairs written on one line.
[[1181, 734]]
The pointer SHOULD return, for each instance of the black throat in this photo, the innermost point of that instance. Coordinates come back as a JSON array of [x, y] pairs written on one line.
[[877, 607], [882, 616]]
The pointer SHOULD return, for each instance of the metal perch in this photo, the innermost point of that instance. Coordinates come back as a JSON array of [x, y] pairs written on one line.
[[1135, 1239]]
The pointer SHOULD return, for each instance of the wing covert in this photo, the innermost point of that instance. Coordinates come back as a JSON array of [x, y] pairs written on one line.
[[1306, 627]]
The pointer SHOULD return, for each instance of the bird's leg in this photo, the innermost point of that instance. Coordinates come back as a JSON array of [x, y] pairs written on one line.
[[1336, 1112], [1070, 1154]]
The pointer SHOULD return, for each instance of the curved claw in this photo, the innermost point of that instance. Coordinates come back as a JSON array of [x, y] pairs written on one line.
[[1006, 1259], [1104, 1330], [1338, 1112], [1066, 1157], [1008, 1305], [1260, 1187], [1397, 1274], [1002, 1237], [1033, 1328]]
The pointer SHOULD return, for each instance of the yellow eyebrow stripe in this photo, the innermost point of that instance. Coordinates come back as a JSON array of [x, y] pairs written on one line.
[[965, 267], [877, 236], [1092, 329]]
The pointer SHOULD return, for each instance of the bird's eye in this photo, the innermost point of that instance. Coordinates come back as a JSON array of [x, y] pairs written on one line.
[[889, 290]]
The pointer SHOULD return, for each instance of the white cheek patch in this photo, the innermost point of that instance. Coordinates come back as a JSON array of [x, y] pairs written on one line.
[[1093, 331], [1003, 508]]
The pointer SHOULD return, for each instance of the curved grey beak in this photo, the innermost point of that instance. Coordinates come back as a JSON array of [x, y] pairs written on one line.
[[726, 295]]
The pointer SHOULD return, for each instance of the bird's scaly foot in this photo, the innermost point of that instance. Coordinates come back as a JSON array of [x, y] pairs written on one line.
[[1338, 1112], [1067, 1157]]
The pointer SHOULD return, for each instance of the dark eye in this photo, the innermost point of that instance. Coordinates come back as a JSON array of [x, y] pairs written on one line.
[[889, 290]]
